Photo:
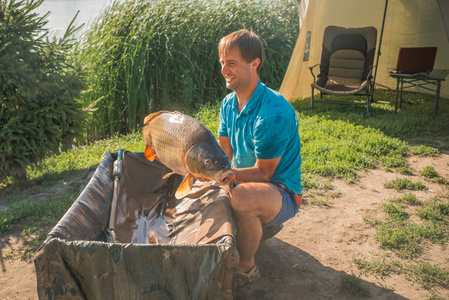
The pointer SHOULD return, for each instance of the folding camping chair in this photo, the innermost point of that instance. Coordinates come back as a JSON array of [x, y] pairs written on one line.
[[346, 64]]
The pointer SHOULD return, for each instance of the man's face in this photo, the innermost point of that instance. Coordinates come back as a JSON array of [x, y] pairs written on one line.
[[237, 72]]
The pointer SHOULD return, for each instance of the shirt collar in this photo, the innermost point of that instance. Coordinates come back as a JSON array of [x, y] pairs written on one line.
[[258, 92]]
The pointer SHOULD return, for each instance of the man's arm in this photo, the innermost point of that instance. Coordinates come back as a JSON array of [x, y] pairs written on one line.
[[225, 144], [261, 172]]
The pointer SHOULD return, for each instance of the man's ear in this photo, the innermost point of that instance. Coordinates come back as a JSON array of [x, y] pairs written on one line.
[[255, 63]]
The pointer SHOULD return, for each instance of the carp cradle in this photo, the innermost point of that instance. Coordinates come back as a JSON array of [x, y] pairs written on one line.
[[102, 247]]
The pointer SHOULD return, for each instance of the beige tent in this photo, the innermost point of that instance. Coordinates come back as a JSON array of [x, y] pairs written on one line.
[[408, 23]]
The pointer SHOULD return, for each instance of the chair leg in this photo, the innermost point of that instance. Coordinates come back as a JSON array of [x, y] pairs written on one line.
[[367, 101], [312, 97], [396, 98], [435, 111]]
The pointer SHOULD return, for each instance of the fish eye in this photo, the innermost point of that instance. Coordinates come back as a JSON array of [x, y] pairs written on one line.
[[207, 162]]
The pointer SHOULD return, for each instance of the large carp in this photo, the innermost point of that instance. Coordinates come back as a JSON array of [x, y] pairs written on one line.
[[187, 147]]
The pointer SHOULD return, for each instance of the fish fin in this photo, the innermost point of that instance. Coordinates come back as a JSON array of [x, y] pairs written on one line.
[[168, 175], [152, 116], [185, 187], [149, 153]]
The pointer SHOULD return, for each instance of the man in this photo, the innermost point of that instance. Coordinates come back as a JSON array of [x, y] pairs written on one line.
[[259, 133]]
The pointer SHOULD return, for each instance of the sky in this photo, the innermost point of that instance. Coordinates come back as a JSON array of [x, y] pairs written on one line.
[[63, 11]]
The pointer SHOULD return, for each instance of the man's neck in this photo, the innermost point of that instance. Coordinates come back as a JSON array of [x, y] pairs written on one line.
[[243, 97]]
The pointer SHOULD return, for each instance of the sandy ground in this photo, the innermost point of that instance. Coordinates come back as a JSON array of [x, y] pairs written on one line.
[[307, 259]]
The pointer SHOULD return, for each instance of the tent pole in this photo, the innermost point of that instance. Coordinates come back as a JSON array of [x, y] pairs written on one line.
[[378, 51]]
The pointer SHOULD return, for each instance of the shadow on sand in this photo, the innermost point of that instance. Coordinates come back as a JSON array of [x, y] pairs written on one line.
[[290, 273]]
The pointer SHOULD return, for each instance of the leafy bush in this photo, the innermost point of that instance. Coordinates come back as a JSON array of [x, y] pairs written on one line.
[[38, 85], [143, 56]]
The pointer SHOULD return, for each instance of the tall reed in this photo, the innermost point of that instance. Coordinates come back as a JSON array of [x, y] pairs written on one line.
[[142, 56]]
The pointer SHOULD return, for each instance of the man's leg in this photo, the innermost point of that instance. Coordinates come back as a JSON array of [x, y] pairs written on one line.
[[253, 204]]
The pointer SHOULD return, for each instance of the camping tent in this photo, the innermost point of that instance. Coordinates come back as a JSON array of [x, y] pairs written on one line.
[[408, 23]]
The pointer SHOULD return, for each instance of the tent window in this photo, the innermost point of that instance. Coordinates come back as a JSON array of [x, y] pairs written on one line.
[[307, 46]]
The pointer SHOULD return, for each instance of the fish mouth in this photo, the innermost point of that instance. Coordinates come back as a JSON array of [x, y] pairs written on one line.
[[225, 177]]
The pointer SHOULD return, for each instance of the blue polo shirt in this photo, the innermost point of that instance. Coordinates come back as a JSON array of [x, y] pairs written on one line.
[[266, 128]]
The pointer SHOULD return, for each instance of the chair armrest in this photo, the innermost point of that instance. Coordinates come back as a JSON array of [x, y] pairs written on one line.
[[369, 76], [311, 71]]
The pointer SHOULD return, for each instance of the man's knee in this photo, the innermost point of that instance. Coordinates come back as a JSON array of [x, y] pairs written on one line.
[[241, 199]]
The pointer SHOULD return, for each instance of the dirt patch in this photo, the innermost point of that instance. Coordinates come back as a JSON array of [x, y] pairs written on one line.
[[308, 258]]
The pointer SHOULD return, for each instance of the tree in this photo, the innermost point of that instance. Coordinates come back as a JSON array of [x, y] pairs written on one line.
[[39, 85]]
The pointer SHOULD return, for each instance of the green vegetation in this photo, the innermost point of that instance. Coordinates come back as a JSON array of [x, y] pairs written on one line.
[[423, 150], [31, 215], [38, 88], [143, 56], [429, 275], [405, 184], [408, 198], [379, 266], [424, 273], [435, 211], [407, 238], [430, 174], [394, 210], [352, 285]]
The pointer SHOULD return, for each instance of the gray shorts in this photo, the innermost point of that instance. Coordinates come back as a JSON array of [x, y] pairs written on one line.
[[290, 206]]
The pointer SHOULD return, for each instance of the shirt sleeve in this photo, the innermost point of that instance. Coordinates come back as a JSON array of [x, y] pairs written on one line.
[[271, 136]]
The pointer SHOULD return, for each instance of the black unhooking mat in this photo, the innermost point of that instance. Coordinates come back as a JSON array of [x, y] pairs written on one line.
[[127, 237]]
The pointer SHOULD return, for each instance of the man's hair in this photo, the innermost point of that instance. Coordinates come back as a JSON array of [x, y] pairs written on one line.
[[247, 42]]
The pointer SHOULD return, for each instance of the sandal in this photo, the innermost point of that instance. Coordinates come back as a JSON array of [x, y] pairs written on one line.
[[243, 279]]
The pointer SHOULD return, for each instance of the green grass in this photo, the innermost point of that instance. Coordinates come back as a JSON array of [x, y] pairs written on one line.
[[430, 174], [395, 210], [406, 238], [423, 150], [405, 184], [429, 275], [408, 198], [424, 273], [379, 266], [32, 215], [436, 211], [352, 285]]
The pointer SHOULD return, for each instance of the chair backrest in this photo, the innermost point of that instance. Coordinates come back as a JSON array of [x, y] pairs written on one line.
[[347, 55]]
